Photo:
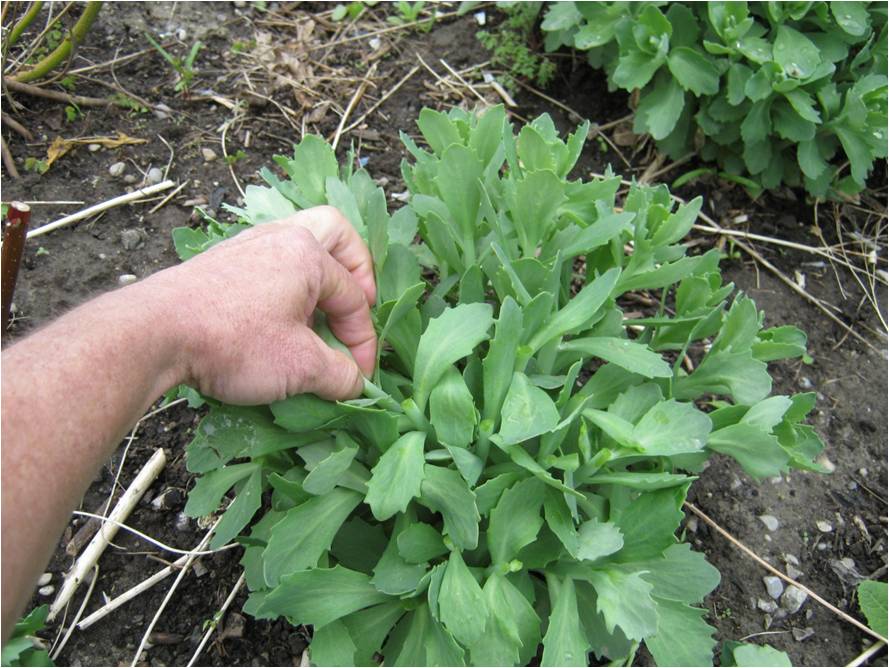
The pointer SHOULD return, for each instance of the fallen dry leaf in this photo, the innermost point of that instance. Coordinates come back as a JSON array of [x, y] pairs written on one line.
[[60, 146]]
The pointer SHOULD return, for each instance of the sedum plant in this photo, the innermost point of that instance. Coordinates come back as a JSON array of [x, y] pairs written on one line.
[[508, 489], [773, 92]]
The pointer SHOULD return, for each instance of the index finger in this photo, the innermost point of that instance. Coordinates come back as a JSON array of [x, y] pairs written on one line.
[[337, 236], [348, 314]]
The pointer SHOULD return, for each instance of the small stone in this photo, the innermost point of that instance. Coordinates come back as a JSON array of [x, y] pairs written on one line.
[[183, 522], [802, 634], [692, 524], [824, 526], [155, 175], [736, 483], [94, 147], [169, 498], [793, 572], [791, 559], [375, 43], [209, 154], [130, 178], [862, 472], [805, 383], [44, 579], [766, 622], [48, 590], [829, 466], [774, 585], [766, 606], [127, 279], [102, 256], [792, 599], [770, 521], [131, 238], [199, 569], [117, 169]]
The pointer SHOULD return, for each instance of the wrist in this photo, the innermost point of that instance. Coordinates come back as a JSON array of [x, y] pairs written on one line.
[[160, 324]]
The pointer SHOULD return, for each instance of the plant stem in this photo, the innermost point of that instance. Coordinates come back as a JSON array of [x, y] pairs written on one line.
[[13, 245], [371, 391], [23, 23], [76, 37], [416, 416]]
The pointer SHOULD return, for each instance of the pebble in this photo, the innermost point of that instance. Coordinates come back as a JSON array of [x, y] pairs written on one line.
[[766, 606], [94, 147], [824, 526], [770, 521], [805, 383], [131, 238], [44, 579], [862, 472], [199, 569], [169, 498], [183, 522], [791, 559], [209, 154], [130, 178], [793, 572], [793, 598], [155, 175], [117, 169], [48, 590], [766, 622], [692, 524], [802, 634], [774, 585], [828, 465], [127, 279]]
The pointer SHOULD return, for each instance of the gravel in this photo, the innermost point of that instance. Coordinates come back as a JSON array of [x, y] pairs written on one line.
[[117, 169], [209, 154], [155, 175], [770, 521], [774, 585], [792, 599]]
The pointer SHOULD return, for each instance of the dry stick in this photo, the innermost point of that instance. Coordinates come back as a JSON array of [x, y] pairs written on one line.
[[8, 162], [463, 81], [169, 594], [231, 166], [131, 593], [356, 97], [381, 31], [814, 250], [438, 77], [866, 654], [56, 650], [18, 127], [385, 97], [100, 541], [13, 245], [218, 616], [102, 206], [58, 96], [762, 562], [169, 197]]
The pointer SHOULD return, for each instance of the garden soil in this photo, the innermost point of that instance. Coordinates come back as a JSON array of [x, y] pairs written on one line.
[[243, 45]]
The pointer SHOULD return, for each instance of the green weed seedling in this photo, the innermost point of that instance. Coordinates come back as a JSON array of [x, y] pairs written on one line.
[[772, 92], [183, 67], [509, 487]]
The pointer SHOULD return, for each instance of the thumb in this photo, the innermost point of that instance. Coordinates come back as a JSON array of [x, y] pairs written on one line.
[[331, 375]]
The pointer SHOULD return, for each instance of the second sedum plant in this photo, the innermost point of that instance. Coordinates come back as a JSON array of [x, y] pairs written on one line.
[[508, 490]]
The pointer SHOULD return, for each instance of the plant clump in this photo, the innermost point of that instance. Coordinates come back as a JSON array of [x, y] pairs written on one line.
[[773, 92], [509, 487]]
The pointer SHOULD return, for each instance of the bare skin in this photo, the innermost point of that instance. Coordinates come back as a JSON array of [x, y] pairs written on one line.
[[233, 322]]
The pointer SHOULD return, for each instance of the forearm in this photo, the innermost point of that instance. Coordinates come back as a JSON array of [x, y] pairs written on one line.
[[70, 393]]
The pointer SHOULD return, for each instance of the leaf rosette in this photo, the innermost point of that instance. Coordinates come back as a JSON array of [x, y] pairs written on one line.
[[511, 483]]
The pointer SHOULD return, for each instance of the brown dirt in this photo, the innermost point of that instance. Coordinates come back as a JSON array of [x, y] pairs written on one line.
[[69, 266]]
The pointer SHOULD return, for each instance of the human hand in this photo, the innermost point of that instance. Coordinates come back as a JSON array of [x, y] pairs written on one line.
[[245, 324]]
